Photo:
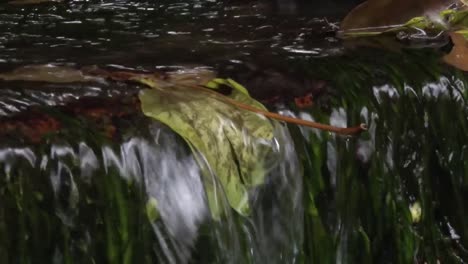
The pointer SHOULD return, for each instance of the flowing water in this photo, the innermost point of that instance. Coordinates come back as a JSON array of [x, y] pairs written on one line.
[[140, 195]]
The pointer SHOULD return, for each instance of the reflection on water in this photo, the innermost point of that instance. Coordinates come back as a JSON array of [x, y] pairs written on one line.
[[146, 35], [150, 32]]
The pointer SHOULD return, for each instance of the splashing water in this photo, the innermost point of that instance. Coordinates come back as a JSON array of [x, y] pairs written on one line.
[[143, 199]]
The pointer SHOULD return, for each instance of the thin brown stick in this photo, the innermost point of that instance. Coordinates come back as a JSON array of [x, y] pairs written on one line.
[[339, 130]]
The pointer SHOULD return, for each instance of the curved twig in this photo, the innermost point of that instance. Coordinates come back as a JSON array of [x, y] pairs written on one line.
[[339, 130]]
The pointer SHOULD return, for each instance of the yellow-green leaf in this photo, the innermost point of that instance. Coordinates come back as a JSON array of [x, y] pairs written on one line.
[[234, 142], [416, 212], [152, 211]]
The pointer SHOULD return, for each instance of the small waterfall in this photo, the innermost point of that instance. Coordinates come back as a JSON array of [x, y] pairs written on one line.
[[142, 201]]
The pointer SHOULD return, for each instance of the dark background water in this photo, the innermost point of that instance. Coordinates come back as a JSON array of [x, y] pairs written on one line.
[[162, 32], [163, 35]]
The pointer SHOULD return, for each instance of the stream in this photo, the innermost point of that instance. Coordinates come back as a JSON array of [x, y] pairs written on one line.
[[86, 177]]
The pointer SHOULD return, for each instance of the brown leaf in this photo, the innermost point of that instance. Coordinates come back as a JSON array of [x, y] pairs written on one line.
[[383, 13], [47, 73], [32, 2], [191, 76], [458, 57]]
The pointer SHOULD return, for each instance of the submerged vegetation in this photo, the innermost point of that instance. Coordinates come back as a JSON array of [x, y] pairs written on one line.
[[190, 167]]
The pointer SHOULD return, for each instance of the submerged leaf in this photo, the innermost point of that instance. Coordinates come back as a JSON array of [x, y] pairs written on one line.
[[235, 143], [195, 76], [47, 73]]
